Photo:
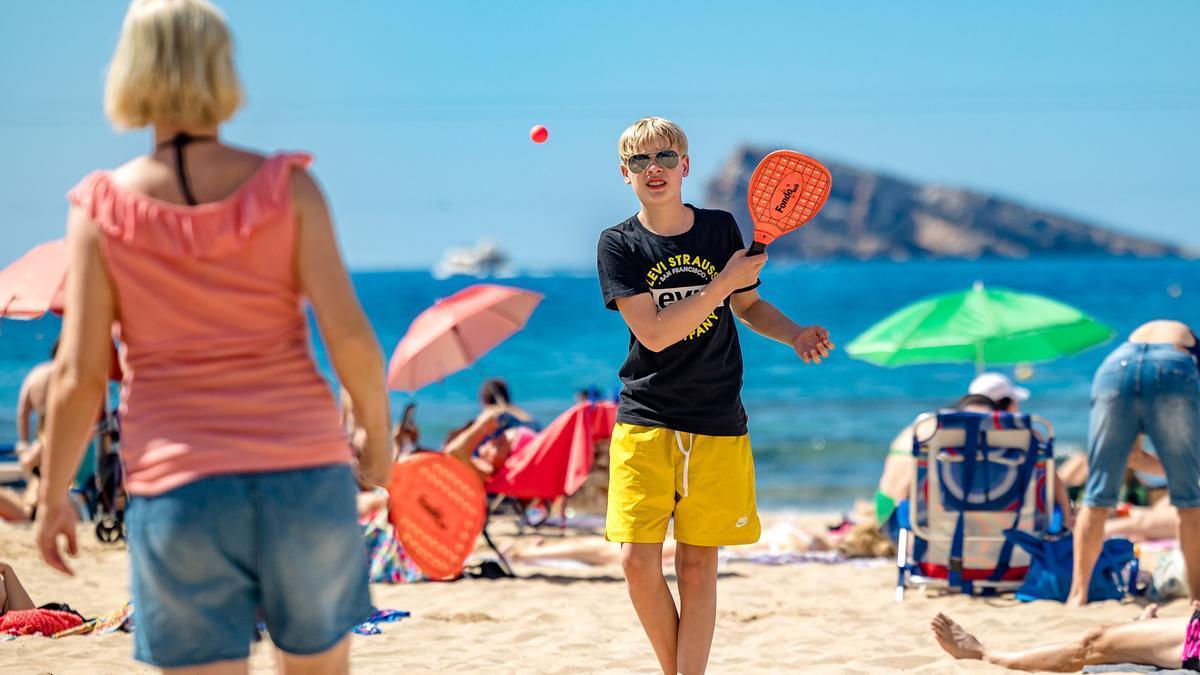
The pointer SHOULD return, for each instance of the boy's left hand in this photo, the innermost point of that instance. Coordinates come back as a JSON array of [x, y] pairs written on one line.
[[812, 344]]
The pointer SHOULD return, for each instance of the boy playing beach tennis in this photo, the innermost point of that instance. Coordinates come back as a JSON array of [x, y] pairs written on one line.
[[680, 447]]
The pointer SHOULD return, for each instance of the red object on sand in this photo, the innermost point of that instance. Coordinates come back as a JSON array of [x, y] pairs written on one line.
[[786, 190], [35, 283], [47, 622], [438, 506], [539, 134], [456, 331], [557, 461]]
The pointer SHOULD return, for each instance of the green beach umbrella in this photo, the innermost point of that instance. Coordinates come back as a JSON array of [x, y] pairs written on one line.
[[980, 326]]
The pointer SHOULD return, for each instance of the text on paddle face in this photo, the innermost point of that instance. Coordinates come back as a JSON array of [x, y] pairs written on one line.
[[784, 196]]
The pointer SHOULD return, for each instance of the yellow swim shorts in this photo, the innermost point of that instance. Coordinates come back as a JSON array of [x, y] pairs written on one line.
[[705, 482]]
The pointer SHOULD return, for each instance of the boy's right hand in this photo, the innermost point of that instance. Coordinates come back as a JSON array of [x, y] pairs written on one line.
[[741, 270]]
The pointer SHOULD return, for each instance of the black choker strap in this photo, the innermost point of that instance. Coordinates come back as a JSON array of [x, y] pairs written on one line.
[[179, 141]]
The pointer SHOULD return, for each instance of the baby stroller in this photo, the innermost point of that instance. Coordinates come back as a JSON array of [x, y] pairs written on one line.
[[102, 490]]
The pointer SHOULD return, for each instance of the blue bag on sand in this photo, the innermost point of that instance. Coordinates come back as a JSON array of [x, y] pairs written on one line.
[[1049, 575]]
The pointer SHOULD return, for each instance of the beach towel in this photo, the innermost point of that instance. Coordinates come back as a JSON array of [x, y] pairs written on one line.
[[1134, 668], [109, 622], [45, 622], [371, 625], [368, 627], [802, 558], [389, 564]]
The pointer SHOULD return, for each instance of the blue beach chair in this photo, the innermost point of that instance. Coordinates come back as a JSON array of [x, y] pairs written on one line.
[[976, 475]]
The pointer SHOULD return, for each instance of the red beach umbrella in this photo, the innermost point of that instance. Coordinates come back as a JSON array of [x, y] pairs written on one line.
[[34, 283], [456, 331]]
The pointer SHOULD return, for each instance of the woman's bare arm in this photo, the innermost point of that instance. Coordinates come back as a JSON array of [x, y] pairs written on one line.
[[77, 386], [353, 347]]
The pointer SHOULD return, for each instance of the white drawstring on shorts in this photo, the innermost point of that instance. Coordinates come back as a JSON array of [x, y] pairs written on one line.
[[687, 456]]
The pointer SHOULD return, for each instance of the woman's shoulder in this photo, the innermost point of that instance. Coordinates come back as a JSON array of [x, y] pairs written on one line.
[[155, 176], [238, 192]]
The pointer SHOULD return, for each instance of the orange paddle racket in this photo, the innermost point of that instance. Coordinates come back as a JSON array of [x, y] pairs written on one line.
[[437, 506], [786, 191]]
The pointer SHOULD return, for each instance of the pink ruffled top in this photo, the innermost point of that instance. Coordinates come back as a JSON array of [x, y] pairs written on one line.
[[218, 372]]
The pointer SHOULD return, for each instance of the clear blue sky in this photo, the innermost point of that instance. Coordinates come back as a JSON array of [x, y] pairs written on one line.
[[418, 114]]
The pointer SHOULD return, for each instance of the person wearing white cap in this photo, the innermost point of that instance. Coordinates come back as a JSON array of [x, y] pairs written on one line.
[[987, 392], [1000, 389]]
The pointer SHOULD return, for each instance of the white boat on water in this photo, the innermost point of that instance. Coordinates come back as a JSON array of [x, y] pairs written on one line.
[[484, 259]]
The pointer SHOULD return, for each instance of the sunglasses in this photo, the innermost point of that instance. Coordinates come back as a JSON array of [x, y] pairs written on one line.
[[667, 159]]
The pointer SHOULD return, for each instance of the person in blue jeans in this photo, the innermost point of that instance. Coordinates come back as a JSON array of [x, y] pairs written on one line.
[[1148, 385]]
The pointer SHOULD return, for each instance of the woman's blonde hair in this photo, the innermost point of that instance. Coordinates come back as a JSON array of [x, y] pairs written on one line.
[[650, 131], [173, 63]]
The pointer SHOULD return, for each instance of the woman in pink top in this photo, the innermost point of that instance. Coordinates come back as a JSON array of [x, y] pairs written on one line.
[[200, 256]]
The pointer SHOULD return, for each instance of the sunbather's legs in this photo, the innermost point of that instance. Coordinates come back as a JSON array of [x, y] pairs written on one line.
[[1189, 545], [1156, 642], [333, 661], [1143, 523], [1073, 471], [696, 572], [652, 599], [12, 506]]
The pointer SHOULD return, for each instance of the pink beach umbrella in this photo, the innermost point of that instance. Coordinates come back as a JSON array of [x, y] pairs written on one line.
[[34, 283], [456, 331]]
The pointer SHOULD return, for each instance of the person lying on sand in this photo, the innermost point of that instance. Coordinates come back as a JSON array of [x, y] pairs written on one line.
[[1148, 640], [777, 538], [12, 594], [12, 507], [1144, 523]]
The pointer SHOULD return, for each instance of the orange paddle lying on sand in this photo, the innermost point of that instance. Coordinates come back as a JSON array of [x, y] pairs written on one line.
[[437, 506], [785, 192]]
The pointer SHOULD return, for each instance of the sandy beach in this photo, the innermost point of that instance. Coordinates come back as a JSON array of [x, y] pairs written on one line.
[[812, 617]]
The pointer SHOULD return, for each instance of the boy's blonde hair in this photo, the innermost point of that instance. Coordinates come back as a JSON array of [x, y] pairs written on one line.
[[173, 63], [650, 131]]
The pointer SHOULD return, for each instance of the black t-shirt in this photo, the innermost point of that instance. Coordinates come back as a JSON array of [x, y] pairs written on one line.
[[695, 385]]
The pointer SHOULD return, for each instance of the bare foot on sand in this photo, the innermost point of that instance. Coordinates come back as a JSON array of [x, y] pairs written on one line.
[[1151, 612], [955, 639]]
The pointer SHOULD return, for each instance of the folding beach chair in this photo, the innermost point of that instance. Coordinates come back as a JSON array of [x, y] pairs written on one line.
[[976, 475], [553, 464]]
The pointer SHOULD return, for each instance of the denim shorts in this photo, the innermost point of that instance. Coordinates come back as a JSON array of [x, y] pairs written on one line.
[[213, 556], [1150, 389]]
